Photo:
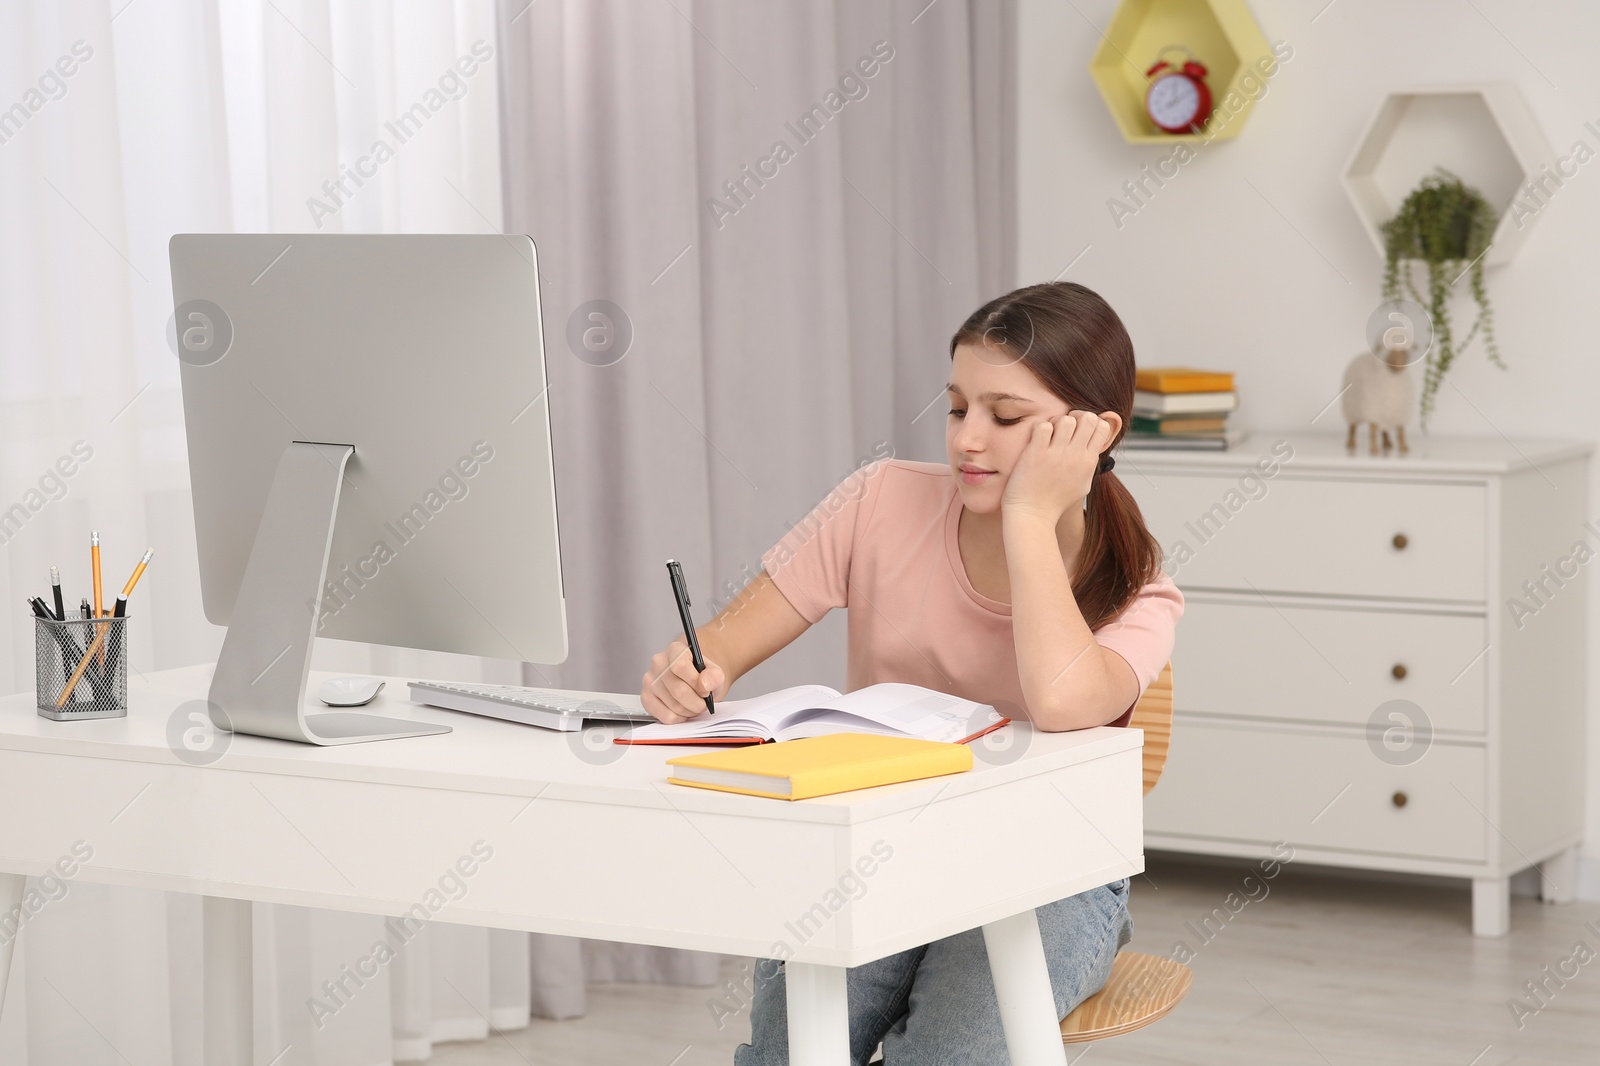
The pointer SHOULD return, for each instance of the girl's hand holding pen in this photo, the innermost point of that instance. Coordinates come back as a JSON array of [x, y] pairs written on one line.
[[673, 690]]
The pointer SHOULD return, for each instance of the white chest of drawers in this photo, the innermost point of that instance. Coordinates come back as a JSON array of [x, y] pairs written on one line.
[[1381, 659]]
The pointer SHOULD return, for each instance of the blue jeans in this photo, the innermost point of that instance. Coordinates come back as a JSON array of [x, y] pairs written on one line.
[[936, 1004]]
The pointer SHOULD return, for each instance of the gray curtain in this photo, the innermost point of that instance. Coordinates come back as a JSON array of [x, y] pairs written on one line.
[[789, 307]]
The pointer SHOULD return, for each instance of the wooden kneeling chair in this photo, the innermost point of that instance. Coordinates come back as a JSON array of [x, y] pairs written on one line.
[[1142, 988]]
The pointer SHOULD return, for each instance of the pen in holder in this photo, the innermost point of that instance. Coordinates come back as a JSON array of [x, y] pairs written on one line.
[[81, 668]]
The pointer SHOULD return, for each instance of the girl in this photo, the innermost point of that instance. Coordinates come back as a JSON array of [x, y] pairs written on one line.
[[923, 556]]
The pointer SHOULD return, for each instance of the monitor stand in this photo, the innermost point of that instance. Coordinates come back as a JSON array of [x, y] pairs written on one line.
[[260, 683]]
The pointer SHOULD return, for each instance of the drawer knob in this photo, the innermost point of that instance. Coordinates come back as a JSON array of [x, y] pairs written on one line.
[[1399, 671], [1398, 799], [1399, 542]]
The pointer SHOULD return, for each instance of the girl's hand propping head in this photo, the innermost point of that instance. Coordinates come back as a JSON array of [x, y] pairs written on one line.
[[1058, 464], [1016, 446]]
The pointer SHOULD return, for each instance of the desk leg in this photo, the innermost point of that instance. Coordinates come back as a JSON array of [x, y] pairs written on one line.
[[229, 1025], [11, 886], [1022, 985], [819, 1016]]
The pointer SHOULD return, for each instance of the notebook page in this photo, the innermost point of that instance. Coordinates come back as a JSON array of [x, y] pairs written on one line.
[[756, 716], [908, 710]]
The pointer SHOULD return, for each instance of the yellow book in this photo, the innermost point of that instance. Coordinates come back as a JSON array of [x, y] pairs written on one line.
[[1181, 379], [820, 766]]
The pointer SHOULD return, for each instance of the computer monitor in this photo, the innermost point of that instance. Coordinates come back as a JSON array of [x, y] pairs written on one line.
[[369, 454]]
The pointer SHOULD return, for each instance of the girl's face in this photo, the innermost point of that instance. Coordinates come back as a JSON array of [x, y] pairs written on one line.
[[994, 399]]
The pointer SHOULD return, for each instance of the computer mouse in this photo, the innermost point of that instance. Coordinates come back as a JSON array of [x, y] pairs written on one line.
[[349, 691]]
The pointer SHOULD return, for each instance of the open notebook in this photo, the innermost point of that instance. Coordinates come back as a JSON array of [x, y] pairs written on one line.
[[816, 710]]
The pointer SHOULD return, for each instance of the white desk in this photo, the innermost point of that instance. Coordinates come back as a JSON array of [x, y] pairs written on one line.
[[581, 846]]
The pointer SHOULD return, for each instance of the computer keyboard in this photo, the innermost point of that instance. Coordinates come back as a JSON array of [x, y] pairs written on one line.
[[562, 709]]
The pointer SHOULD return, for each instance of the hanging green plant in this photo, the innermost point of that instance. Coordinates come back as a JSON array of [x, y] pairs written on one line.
[[1448, 226]]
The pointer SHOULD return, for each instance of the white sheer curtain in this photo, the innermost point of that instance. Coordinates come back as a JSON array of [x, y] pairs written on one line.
[[789, 311], [120, 124], [772, 351]]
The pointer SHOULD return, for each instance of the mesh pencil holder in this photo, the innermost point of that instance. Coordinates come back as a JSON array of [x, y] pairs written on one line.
[[81, 668]]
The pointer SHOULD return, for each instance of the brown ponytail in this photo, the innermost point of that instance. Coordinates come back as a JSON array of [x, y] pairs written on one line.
[[1076, 345]]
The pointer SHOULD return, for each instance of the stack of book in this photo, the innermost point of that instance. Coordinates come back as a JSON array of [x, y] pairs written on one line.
[[1180, 407]]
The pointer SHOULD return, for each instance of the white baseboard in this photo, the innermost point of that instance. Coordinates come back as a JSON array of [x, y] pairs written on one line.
[[508, 1018], [414, 1049], [448, 1029]]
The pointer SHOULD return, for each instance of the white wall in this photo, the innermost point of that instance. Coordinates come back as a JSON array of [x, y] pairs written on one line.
[[1276, 282]]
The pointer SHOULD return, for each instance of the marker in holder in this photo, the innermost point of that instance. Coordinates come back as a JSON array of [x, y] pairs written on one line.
[[81, 668]]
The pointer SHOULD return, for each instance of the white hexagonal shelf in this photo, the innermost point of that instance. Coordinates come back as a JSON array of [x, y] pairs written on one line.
[[1485, 134]]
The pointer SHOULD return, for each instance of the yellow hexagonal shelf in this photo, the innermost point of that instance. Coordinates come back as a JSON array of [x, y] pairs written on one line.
[[1223, 36]]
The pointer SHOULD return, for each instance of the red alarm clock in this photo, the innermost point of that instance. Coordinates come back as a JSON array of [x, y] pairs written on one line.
[[1177, 100]]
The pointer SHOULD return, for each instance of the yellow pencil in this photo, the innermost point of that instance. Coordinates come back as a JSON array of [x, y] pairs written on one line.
[[122, 600], [72, 682], [94, 564], [138, 571]]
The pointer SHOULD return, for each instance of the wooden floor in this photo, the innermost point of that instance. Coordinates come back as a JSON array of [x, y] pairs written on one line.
[[1322, 971]]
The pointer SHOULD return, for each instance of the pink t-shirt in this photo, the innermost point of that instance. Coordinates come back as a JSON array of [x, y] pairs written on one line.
[[883, 543]]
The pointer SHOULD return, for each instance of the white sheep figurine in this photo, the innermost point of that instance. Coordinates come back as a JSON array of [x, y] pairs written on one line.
[[1379, 392]]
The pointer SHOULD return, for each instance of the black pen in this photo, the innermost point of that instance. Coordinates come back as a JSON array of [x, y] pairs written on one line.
[[680, 592], [55, 587], [65, 643], [114, 641]]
